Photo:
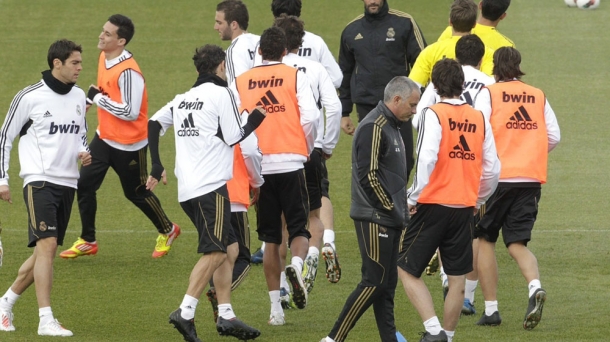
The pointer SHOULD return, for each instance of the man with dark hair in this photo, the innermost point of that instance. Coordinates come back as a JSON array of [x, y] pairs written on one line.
[[525, 132], [492, 12], [379, 181], [49, 118], [378, 45], [457, 170], [120, 141], [326, 139], [206, 129], [469, 52], [231, 22], [286, 139]]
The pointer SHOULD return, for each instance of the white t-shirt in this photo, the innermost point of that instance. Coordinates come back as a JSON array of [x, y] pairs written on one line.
[[240, 55]]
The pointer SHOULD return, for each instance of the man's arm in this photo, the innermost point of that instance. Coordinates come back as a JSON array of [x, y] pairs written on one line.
[[157, 126], [131, 85], [347, 63], [231, 130], [237, 62], [415, 44], [369, 147], [428, 98], [482, 102], [552, 127], [491, 166], [428, 145], [332, 106], [308, 109], [328, 61]]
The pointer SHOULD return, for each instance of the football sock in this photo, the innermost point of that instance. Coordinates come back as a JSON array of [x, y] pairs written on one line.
[[46, 315], [226, 311], [283, 282], [8, 300], [188, 306], [471, 287], [533, 286], [329, 237], [491, 306], [263, 247], [297, 263], [433, 326], [450, 335], [276, 306], [328, 339], [313, 251]]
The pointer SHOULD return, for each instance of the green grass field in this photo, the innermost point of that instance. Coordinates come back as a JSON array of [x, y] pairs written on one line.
[[122, 294]]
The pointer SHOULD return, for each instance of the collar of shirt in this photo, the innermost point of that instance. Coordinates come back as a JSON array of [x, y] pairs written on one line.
[[123, 56], [453, 101]]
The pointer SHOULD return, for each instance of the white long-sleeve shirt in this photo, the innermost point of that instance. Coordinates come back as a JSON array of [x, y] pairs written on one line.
[[325, 96], [474, 81], [288, 162], [55, 133], [483, 103], [428, 147], [315, 49], [131, 84], [240, 55]]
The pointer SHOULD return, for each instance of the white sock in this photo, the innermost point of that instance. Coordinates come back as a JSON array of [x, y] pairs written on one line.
[[433, 326], [276, 306], [471, 287], [329, 237], [8, 300], [491, 306], [533, 286], [313, 251], [450, 335], [297, 263], [46, 315], [283, 282], [188, 306], [226, 311], [263, 247], [328, 339]]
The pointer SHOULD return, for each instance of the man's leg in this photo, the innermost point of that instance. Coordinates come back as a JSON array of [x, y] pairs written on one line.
[[384, 306], [329, 250], [241, 228], [453, 302], [488, 279]]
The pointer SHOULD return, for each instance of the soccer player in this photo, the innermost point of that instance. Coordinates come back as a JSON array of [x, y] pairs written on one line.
[[379, 208], [326, 139], [231, 22], [462, 18], [49, 118], [286, 139], [492, 12], [457, 170], [526, 130], [120, 140], [207, 125]]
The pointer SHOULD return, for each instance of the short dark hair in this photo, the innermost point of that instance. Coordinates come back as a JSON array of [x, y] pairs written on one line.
[[448, 78], [507, 61], [126, 29], [293, 28], [290, 7], [463, 15], [273, 43], [62, 50], [235, 10], [469, 50], [493, 9], [207, 58]]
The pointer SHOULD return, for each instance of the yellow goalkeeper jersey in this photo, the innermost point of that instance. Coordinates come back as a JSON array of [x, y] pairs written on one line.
[[488, 34], [422, 70]]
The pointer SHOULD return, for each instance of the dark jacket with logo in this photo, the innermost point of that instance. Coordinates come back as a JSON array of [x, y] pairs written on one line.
[[379, 171], [374, 49]]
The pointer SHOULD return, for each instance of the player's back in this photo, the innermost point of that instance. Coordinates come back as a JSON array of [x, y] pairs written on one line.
[[315, 49], [240, 55], [490, 36]]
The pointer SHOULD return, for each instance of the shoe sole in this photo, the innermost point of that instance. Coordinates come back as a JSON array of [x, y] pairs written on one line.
[[299, 293], [240, 334], [310, 278], [184, 334], [333, 270], [467, 311], [533, 318], [74, 256]]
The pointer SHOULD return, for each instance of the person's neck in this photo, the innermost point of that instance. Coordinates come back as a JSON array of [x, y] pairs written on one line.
[[113, 54], [450, 98], [295, 51], [460, 34], [487, 22]]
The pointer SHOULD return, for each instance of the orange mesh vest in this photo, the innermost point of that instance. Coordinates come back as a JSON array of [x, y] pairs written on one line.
[[456, 177], [517, 120], [239, 186], [275, 88], [109, 126]]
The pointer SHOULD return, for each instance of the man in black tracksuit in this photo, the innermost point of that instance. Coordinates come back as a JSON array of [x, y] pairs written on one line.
[[375, 47], [379, 207]]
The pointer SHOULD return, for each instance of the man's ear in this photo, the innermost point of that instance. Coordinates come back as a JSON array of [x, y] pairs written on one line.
[[57, 63]]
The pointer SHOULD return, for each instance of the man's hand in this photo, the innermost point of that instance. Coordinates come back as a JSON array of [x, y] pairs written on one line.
[[254, 193], [93, 90], [326, 156], [152, 182], [347, 126], [85, 158], [412, 209], [476, 211], [5, 194]]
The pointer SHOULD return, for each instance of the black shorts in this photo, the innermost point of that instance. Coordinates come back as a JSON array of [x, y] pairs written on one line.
[[437, 226], [49, 207], [313, 175], [325, 181], [283, 193], [211, 215], [512, 209]]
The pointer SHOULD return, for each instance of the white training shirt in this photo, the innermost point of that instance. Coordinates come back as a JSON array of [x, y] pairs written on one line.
[[204, 161], [483, 103], [252, 158], [132, 86], [57, 134], [240, 55], [474, 81], [288, 162], [315, 49], [428, 146], [325, 96]]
